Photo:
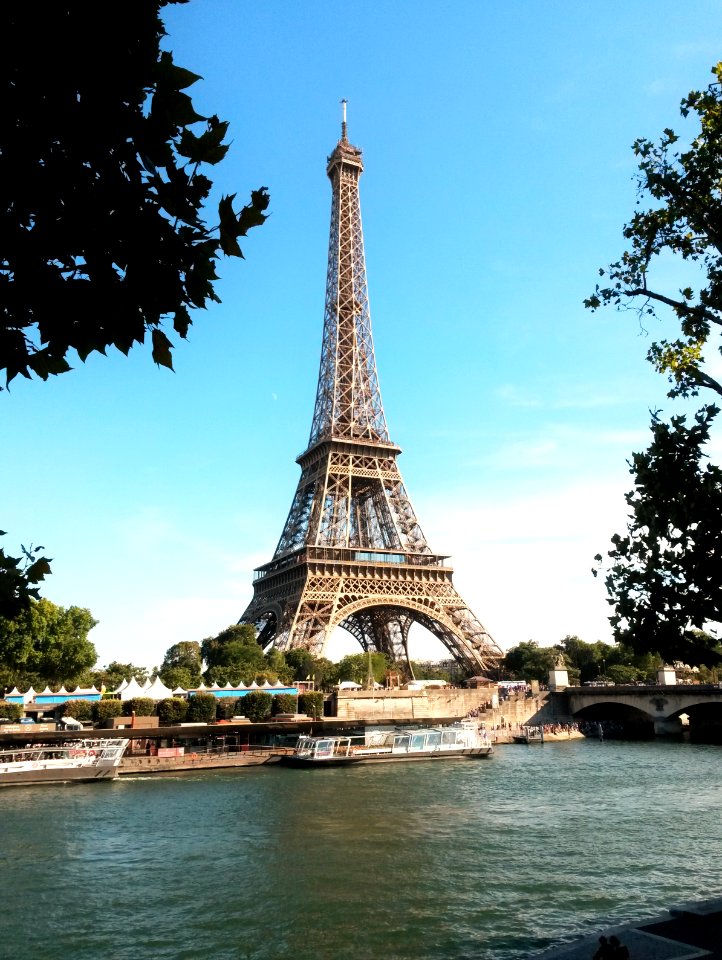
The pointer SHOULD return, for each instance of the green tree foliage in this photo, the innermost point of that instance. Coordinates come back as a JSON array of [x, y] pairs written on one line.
[[355, 667], [311, 703], [115, 673], [226, 708], [257, 706], [304, 666], [233, 656], [665, 578], [202, 708], [79, 709], [278, 667], [101, 190], [103, 183], [283, 703], [104, 710], [19, 579], [140, 706], [172, 710], [47, 644], [529, 661], [683, 219], [11, 711], [182, 665], [621, 673]]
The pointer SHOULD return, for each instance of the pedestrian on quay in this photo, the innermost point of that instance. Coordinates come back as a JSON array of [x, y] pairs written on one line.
[[619, 951], [605, 951]]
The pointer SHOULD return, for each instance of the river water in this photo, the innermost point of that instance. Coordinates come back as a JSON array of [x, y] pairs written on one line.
[[492, 860]]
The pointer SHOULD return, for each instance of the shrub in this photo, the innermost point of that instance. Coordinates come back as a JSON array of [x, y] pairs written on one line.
[[79, 709], [239, 707], [202, 708], [13, 711], [311, 703], [257, 705], [284, 703], [172, 710], [107, 709], [225, 708], [141, 706]]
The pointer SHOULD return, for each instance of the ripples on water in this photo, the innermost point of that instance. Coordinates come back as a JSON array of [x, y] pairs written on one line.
[[490, 860]]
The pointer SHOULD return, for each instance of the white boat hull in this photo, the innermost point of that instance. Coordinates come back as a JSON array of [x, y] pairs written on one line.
[[84, 761]]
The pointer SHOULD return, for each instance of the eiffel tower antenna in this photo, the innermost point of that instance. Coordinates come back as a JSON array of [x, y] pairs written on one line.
[[352, 553]]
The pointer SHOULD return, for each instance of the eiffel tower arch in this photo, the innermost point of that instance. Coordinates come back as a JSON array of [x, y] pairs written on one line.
[[352, 553]]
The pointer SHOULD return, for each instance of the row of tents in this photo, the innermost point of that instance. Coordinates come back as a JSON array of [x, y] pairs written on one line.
[[152, 689]]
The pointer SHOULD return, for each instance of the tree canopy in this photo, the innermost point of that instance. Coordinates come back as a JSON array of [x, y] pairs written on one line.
[[684, 219], [101, 194], [665, 577], [46, 644], [233, 655], [182, 665], [102, 203]]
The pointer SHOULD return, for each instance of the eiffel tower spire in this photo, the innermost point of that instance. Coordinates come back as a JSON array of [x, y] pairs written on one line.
[[352, 552]]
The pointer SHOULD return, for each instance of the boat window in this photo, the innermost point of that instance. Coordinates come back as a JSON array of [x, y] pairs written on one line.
[[324, 748], [401, 743], [448, 737], [418, 741], [434, 738]]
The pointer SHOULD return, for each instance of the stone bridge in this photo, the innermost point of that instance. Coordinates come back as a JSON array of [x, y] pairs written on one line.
[[666, 709]]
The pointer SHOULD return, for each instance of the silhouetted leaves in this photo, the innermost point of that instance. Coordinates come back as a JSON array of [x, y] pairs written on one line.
[[665, 581], [684, 219], [101, 194]]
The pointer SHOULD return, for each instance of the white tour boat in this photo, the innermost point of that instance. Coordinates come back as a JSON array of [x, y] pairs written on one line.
[[461, 741], [77, 760]]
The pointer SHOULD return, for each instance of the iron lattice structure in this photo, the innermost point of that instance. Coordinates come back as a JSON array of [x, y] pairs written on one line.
[[352, 553]]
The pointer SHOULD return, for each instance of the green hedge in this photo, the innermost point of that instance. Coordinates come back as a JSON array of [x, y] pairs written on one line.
[[202, 708], [172, 710], [311, 703], [107, 709], [13, 711], [79, 709], [257, 705], [284, 703], [140, 706]]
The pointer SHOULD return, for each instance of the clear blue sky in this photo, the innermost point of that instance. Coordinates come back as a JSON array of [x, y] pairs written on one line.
[[496, 139]]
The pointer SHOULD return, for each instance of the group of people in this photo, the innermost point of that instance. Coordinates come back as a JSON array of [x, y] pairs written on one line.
[[611, 949]]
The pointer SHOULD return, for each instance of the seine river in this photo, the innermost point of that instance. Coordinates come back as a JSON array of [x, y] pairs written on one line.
[[491, 860]]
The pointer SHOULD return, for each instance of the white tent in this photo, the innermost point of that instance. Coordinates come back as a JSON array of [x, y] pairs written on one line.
[[349, 685], [158, 690], [179, 692], [146, 685], [121, 688], [253, 686], [265, 685], [131, 690]]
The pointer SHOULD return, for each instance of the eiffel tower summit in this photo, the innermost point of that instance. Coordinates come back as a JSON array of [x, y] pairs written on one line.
[[352, 553]]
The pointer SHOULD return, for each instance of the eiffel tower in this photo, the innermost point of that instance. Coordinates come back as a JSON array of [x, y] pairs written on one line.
[[352, 553]]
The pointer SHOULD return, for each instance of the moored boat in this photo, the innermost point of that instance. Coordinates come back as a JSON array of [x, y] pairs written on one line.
[[529, 734], [77, 760], [461, 741]]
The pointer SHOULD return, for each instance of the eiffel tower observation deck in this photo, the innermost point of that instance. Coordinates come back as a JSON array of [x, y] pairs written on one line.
[[352, 553]]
